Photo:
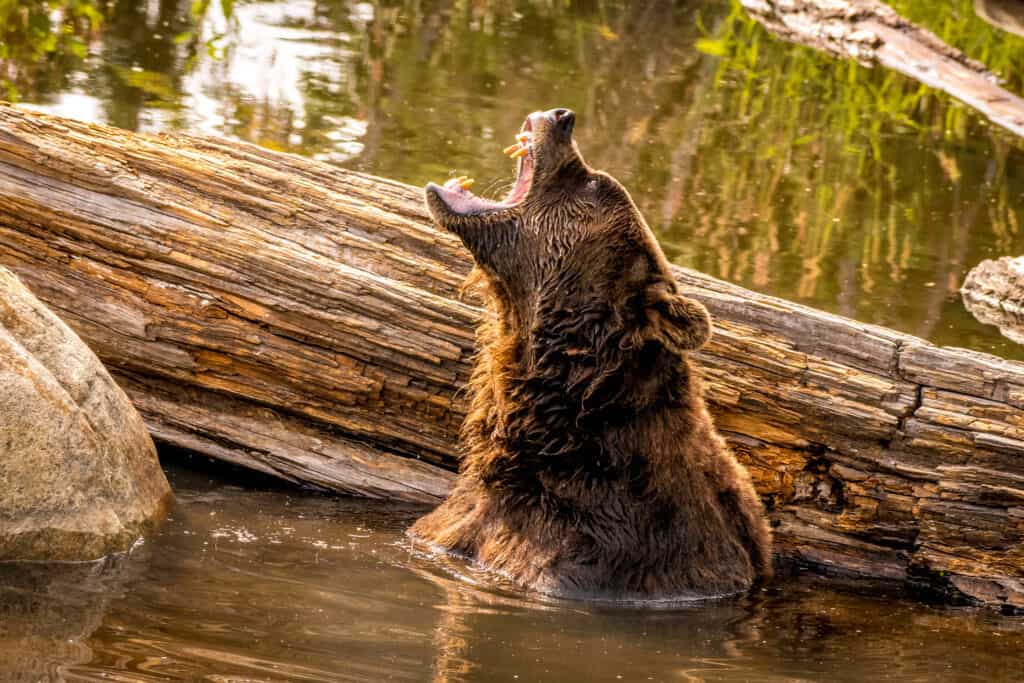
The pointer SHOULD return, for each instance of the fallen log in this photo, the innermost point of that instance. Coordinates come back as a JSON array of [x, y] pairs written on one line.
[[870, 32], [305, 321]]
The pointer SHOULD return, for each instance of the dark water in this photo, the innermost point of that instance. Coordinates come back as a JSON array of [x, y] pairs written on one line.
[[849, 189], [763, 163], [271, 585]]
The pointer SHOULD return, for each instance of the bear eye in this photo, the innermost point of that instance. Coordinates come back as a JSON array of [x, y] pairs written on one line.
[[592, 184]]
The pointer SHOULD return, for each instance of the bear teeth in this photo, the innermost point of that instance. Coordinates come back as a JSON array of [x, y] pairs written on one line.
[[522, 146], [463, 182]]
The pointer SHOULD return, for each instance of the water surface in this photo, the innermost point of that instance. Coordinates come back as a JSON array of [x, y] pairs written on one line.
[[273, 585]]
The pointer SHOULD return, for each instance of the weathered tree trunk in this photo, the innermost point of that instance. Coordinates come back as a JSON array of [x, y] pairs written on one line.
[[305, 321], [872, 33]]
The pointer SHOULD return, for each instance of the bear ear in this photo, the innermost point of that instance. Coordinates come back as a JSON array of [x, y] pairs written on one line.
[[678, 323]]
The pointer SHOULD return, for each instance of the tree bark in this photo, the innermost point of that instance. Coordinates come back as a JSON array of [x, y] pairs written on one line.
[[305, 321], [870, 32]]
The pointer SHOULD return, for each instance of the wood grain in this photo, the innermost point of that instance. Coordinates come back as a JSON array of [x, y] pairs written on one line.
[[305, 321]]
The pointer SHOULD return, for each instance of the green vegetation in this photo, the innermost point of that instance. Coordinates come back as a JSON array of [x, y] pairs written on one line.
[[42, 41]]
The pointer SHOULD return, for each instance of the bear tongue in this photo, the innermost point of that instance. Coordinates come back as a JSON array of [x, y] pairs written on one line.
[[459, 199], [524, 177]]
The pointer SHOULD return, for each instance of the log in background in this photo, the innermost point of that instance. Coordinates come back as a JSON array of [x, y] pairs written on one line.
[[872, 33], [305, 321]]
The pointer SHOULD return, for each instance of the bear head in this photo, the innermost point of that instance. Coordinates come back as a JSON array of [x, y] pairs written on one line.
[[576, 277]]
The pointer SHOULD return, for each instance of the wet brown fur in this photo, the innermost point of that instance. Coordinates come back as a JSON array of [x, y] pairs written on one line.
[[591, 466]]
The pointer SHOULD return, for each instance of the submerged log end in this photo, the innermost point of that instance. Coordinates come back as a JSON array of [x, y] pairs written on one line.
[[993, 292]]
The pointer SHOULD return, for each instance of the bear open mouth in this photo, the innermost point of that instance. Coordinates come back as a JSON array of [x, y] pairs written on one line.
[[456, 193]]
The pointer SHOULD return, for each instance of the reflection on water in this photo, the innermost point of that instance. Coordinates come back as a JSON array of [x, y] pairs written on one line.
[[764, 163], [274, 585], [47, 612]]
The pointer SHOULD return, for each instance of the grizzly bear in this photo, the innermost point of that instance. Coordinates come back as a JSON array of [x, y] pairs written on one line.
[[591, 466]]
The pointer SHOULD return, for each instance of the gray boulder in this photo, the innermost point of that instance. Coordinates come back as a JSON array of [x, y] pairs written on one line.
[[79, 476]]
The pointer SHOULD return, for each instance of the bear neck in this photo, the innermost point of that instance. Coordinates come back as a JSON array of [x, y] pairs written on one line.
[[533, 430]]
